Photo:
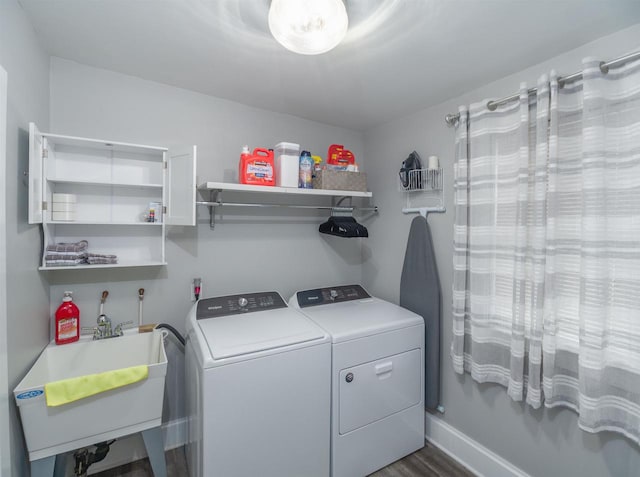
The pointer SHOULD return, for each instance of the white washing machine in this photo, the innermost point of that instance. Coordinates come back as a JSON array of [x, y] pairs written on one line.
[[377, 377], [258, 389]]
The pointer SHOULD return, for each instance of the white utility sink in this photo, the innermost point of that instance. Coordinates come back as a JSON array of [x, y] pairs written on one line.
[[118, 412]]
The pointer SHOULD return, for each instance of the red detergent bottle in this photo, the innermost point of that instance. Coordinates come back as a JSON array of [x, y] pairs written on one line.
[[67, 321], [257, 168]]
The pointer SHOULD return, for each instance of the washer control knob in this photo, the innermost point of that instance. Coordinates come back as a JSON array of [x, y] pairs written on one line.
[[242, 301], [349, 377], [333, 294]]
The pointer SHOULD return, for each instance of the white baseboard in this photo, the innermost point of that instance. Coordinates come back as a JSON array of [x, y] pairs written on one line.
[[131, 448], [474, 456]]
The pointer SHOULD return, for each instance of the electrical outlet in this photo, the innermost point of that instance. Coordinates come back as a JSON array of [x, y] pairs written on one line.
[[196, 289]]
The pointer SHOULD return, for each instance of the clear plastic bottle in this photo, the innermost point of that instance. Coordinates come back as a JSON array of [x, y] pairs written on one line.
[[305, 180]]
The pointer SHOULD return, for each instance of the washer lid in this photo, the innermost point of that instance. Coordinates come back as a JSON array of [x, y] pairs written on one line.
[[355, 318], [236, 335]]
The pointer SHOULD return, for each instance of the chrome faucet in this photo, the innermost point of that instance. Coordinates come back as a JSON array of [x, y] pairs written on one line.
[[104, 329]]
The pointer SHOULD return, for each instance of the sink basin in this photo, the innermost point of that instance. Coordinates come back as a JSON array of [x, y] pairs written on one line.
[[118, 412]]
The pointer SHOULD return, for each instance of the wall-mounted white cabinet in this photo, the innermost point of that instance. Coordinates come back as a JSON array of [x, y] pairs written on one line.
[[113, 185]]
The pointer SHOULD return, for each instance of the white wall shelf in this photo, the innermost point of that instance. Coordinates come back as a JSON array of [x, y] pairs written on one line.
[[215, 190], [113, 185], [222, 186]]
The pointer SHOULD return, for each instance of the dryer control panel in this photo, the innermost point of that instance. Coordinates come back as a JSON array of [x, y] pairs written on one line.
[[238, 304], [325, 296]]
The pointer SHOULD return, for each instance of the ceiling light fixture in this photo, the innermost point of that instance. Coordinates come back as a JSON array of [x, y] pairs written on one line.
[[308, 27]]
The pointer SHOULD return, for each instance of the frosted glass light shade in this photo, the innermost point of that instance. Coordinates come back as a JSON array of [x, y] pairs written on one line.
[[308, 27]]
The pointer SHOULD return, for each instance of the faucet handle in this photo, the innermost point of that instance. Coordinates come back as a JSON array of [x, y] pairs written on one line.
[[118, 330], [103, 319]]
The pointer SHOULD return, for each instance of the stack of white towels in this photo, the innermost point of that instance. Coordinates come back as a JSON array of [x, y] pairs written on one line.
[[75, 253]]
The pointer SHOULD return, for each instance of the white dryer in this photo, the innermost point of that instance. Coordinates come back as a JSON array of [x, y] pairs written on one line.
[[258, 389], [377, 377]]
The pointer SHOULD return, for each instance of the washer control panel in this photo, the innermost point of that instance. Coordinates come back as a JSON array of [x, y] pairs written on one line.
[[238, 304], [325, 296]]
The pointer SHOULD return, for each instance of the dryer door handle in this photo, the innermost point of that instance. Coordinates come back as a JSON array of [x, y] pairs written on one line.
[[384, 368]]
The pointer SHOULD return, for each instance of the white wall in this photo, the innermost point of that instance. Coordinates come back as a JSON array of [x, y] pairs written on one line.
[[249, 250], [544, 442], [27, 292]]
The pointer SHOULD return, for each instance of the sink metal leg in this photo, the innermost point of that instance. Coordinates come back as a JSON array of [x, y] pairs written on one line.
[[54, 465], [155, 450], [43, 467], [61, 465]]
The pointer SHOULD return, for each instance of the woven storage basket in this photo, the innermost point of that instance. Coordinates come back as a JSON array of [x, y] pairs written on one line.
[[340, 180]]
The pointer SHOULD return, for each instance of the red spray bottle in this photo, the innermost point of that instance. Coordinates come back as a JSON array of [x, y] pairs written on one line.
[[67, 321]]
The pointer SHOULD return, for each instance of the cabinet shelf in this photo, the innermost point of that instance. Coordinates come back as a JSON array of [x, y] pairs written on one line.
[[97, 222], [104, 183], [106, 265]]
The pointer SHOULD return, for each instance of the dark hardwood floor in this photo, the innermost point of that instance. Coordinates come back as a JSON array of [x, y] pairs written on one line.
[[427, 462]]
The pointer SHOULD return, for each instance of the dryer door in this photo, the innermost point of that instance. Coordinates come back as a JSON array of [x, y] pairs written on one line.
[[374, 390]]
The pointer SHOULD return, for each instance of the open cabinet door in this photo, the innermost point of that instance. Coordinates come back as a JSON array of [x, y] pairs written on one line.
[[5, 447], [180, 198], [35, 174]]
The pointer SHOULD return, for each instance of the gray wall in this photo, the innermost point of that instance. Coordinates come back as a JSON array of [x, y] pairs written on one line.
[[544, 442], [27, 330], [246, 252]]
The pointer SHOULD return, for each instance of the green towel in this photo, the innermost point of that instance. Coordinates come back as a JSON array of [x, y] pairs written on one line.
[[65, 391]]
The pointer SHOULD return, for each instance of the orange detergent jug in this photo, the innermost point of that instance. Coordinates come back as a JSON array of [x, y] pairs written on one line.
[[257, 168], [339, 156]]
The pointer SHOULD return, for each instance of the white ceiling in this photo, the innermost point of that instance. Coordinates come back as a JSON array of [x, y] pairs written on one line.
[[399, 56]]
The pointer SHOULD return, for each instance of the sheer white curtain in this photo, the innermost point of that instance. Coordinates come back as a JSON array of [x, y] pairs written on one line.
[[547, 247], [500, 171], [592, 305]]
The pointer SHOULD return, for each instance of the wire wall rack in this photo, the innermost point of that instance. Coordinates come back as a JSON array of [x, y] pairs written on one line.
[[424, 191]]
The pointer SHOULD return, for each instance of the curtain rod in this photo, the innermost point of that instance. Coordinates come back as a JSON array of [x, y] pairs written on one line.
[[451, 119]]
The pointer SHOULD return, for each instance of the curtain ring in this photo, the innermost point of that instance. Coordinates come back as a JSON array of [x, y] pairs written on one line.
[[604, 68]]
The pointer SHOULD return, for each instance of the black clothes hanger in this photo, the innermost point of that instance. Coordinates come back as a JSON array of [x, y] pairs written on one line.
[[343, 227]]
